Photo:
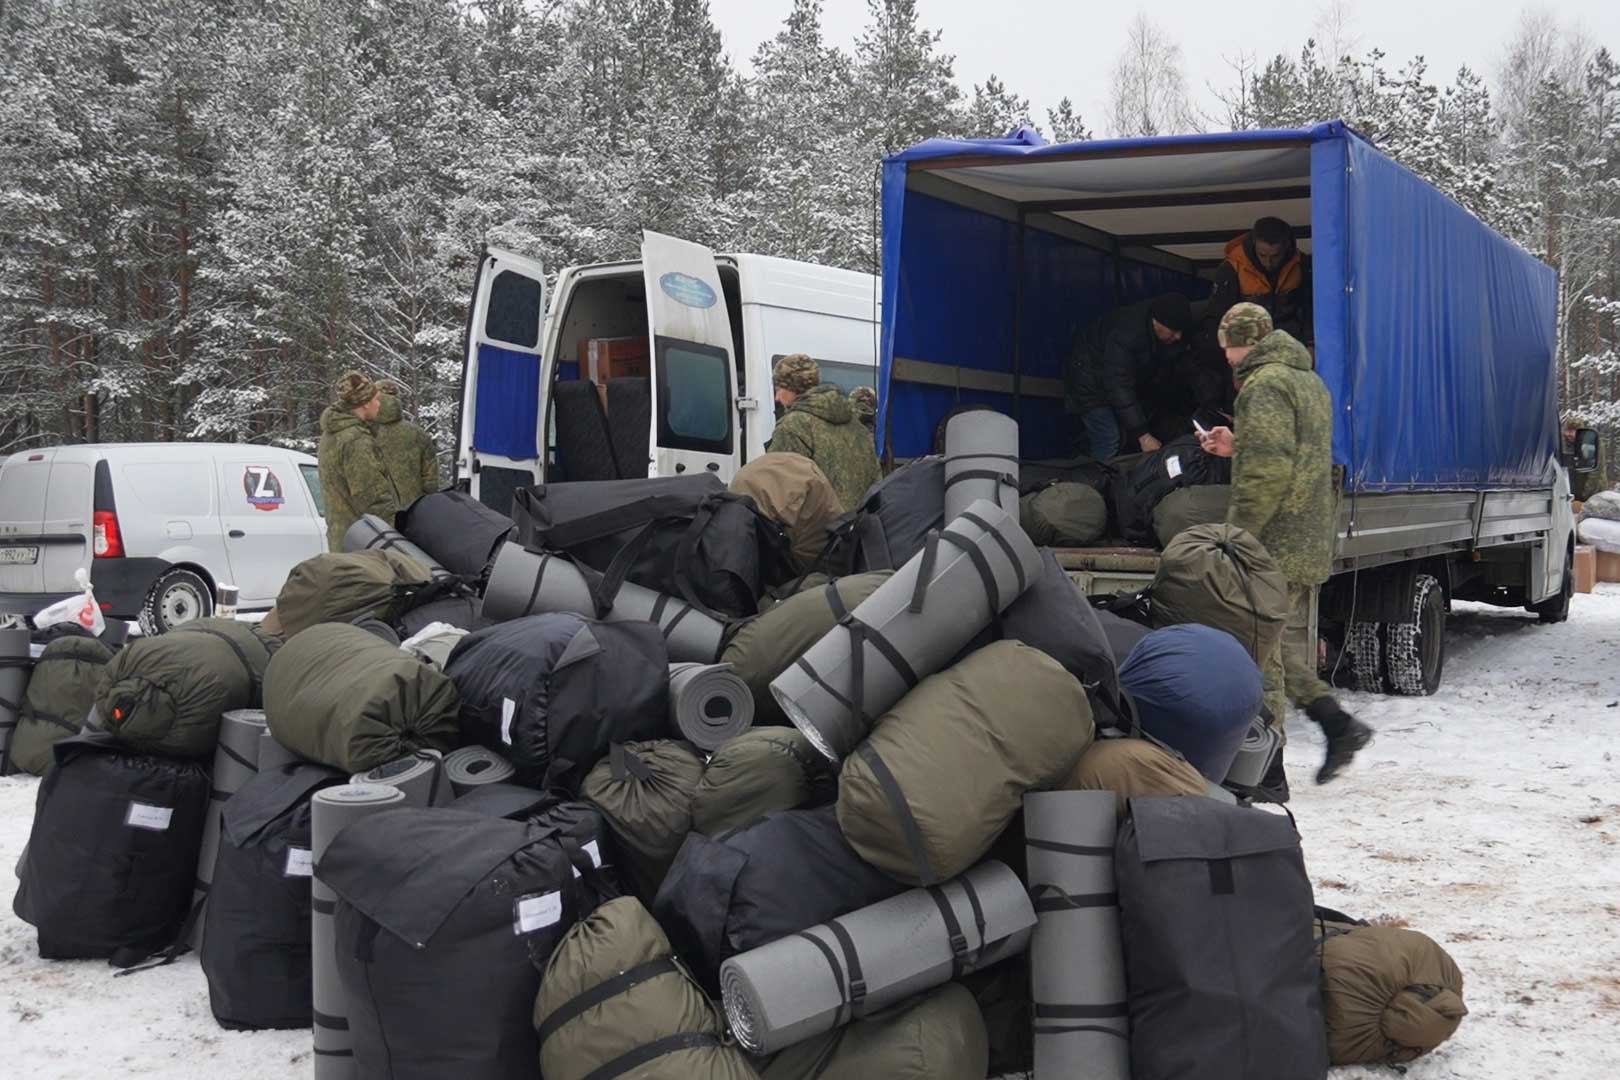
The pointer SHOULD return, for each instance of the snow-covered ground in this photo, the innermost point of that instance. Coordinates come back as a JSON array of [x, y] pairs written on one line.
[[1487, 816]]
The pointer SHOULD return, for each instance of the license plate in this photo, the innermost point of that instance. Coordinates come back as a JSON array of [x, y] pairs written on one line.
[[18, 556]]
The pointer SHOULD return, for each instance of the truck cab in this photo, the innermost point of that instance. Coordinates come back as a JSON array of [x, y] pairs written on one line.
[[650, 368]]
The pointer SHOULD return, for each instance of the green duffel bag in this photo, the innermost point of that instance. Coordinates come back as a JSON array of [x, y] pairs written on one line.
[[1389, 995], [645, 791], [1202, 504], [1064, 514], [792, 491], [764, 647], [757, 773], [60, 692], [1221, 576], [344, 587], [614, 1002], [945, 771], [340, 696], [165, 695], [939, 1035]]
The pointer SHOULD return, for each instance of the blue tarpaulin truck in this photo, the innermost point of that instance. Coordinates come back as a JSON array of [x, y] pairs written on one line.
[[1435, 335]]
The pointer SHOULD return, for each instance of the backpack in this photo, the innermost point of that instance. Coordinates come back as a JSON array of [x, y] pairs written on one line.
[[255, 950], [442, 918], [644, 790], [1144, 479], [1221, 576], [893, 521], [553, 692], [339, 587], [166, 694], [1203, 504], [1064, 515], [759, 772], [112, 854], [1221, 964], [1390, 995], [684, 536], [61, 691], [456, 530], [342, 697], [792, 491], [939, 1035]]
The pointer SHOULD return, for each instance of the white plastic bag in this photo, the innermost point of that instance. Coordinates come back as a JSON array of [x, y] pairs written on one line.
[[80, 610]]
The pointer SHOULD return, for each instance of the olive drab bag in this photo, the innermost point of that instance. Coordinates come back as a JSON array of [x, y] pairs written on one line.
[[1064, 515], [1203, 504], [1221, 576], [61, 691], [1390, 995], [684, 536], [644, 790], [166, 694], [1130, 767], [757, 773], [343, 587], [939, 1035], [792, 491]]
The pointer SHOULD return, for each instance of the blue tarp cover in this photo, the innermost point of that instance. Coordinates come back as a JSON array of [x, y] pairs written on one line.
[[1435, 335]]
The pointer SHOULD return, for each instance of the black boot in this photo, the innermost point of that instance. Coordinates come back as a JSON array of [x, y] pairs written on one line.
[[1345, 735]]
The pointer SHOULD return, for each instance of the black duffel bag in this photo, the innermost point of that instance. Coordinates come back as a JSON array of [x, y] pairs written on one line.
[[1141, 480], [456, 529], [684, 536]]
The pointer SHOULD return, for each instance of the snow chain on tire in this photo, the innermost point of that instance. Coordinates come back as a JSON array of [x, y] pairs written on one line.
[[1403, 644], [1364, 646]]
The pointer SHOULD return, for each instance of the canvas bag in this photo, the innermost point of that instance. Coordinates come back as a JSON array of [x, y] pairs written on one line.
[[1390, 995], [1221, 576], [1064, 514], [339, 587], [792, 491], [644, 790], [61, 690], [757, 773], [893, 521], [460, 532]]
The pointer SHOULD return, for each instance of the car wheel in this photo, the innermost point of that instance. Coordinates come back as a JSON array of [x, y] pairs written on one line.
[[178, 596], [1415, 651]]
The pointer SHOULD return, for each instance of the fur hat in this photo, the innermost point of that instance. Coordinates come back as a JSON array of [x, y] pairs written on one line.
[[797, 373], [354, 389]]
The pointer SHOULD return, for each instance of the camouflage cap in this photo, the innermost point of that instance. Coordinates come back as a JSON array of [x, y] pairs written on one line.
[[1244, 324], [354, 389], [863, 399], [388, 386], [797, 373]]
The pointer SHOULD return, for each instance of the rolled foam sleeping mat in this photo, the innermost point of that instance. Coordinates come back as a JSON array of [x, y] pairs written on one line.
[[798, 987], [1076, 957], [910, 627], [272, 755], [236, 761], [420, 775], [981, 462], [709, 704], [16, 661], [332, 810], [475, 766], [523, 582], [1254, 756], [372, 531]]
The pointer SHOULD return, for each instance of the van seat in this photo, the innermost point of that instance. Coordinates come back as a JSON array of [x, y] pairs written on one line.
[[584, 448], [629, 421]]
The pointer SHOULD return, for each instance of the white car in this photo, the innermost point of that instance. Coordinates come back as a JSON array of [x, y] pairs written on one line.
[[158, 525]]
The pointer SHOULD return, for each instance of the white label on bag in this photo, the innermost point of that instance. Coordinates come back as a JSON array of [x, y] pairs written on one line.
[[594, 852], [532, 913], [508, 710], [146, 816], [1172, 465], [300, 862]]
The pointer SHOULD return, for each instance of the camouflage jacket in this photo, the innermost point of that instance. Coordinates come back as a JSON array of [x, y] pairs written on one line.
[[1282, 473], [821, 426], [407, 453], [353, 480]]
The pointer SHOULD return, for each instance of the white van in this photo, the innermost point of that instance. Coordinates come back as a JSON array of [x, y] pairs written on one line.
[[159, 525], [701, 332]]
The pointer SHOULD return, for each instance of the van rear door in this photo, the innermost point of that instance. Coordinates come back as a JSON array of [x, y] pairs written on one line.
[[500, 436], [694, 410], [24, 479]]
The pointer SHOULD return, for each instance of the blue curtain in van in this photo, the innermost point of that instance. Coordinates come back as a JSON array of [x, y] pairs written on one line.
[[507, 403]]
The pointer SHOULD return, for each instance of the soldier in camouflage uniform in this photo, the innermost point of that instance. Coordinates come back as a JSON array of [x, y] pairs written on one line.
[[863, 399], [407, 451], [818, 422], [1282, 493], [353, 480]]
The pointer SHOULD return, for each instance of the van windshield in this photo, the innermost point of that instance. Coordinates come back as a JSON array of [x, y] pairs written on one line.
[[694, 397]]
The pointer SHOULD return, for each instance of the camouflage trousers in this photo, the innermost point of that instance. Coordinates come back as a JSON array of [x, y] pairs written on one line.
[[1290, 672]]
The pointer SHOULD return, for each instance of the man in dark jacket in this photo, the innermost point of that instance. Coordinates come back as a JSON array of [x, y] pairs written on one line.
[[1116, 364], [817, 421], [407, 451], [353, 480], [1264, 266]]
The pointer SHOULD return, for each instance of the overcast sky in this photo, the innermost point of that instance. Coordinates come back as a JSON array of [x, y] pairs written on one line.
[[1046, 49]]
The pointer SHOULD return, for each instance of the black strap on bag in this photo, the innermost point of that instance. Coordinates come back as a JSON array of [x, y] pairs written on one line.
[[896, 799], [641, 1055], [624, 762], [253, 676], [859, 634], [602, 991]]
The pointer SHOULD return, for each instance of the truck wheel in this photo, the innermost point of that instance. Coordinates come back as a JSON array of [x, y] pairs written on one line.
[[1555, 609], [1364, 648], [178, 596], [1415, 651]]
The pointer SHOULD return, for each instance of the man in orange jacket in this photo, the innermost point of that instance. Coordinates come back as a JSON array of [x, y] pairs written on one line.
[[1264, 266]]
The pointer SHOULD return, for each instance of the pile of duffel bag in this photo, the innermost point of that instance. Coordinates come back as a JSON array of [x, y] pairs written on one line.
[[957, 833]]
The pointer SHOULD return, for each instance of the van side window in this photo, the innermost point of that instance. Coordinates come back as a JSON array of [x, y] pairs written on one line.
[[514, 310], [694, 397], [312, 480]]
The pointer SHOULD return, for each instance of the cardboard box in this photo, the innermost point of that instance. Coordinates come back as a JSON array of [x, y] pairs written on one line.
[[601, 359], [1608, 566], [1586, 572]]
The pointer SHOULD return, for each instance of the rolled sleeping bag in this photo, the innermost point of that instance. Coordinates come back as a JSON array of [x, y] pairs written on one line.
[[1076, 957], [645, 791], [758, 773], [709, 704], [272, 755], [939, 1035], [1254, 756], [1196, 690], [420, 775], [16, 662], [236, 761], [807, 984], [475, 766], [1389, 995], [523, 582], [981, 462], [372, 531], [912, 626], [332, 810], [1130, 767], [460, 532]]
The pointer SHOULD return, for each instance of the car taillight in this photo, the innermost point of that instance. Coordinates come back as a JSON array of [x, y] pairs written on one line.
[[109, 542]]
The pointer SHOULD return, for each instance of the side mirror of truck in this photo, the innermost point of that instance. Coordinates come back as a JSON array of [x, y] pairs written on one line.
[[1586, 451]]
